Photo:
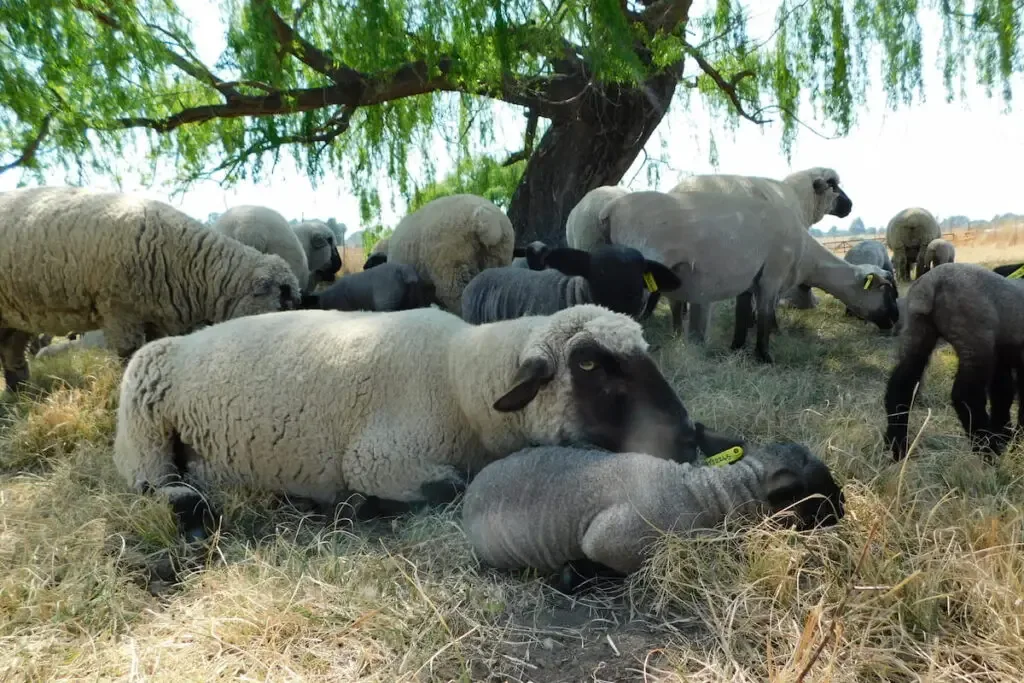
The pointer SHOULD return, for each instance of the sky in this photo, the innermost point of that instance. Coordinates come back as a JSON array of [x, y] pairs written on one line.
[[956, 158]]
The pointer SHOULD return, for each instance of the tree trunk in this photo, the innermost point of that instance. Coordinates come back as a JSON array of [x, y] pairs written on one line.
[[578, 154]]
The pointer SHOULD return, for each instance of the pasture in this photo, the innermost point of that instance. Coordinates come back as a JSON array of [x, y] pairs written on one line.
[[923, 579]]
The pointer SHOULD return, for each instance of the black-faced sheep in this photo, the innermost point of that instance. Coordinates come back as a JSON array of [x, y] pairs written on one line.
[[266, 231], [322, 253], [531, 256], [908, 235], [451, 239], [981, 315], [871, 253], [388, 287], [616, 277], [378, 254], [77, 259], [408, 402], [735, 246], [555, 509], [937, 252]]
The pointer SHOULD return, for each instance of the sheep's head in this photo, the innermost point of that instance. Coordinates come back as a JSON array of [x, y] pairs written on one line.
[[418, 292], [797, 481], [535, 252], [585, 376], [619, 277], [323, 255], [270, 287], [873, 296], [829, 198]]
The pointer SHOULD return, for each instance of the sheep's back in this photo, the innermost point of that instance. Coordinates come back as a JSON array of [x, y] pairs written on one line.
[[913, 226]]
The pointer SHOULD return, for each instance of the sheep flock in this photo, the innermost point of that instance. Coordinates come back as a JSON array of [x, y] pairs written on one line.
[[511, 388]]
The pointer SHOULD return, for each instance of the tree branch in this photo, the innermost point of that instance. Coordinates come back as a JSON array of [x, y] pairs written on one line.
[[531, 136], [726, 86], [665, 15], [29, 152]]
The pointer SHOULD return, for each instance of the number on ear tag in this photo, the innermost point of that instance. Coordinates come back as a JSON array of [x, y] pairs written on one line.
[[726, 457]]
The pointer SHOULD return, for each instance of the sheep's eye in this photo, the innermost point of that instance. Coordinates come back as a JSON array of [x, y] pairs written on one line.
[[319, 243], [587, 365]]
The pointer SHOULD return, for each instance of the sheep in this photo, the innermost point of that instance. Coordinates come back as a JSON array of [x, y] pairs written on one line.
[[531, 256], [813, 193], [559, 509], [937, 252], [583, 226], [93, 339], [266, 231], [612, 276], [870, 252], [389, 287], [451, 239], [907, 235], [981, 315], [725, 246], [378, 255], [78, 259], [321, 252], [406, 404]]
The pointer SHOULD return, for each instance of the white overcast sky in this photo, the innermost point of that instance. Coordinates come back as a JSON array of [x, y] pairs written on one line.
[[958, 158]]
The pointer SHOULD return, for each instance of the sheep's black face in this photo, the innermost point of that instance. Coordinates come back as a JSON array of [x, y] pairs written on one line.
[[841, 205], [887, 317], [625, 404], [334, 265], [802, 476], [374, 260]]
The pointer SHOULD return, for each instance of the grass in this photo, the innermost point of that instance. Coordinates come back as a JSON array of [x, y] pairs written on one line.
[[923, 580]]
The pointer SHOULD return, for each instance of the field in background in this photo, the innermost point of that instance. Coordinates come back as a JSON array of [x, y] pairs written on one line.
[[924, 579]]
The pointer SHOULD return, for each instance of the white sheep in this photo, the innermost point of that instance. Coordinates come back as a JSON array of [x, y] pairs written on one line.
[[560, 509], [78, 259], [451, 239], [322, 253], [908, 234], [937, 252], [734, 246], [403, 405], [583, 225], [266, 231]]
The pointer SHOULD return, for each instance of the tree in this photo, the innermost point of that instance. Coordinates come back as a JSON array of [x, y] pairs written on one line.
[[361, 87], [482, 176], [857, 227]]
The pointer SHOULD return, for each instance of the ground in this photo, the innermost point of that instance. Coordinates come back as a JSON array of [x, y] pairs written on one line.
[[924, 578]]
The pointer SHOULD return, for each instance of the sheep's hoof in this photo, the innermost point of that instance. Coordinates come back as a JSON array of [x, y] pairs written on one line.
[[16, 380], [764, 356]]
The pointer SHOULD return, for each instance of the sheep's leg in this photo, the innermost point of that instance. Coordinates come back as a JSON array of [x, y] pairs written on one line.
[[676, 307], [418, 484], [700, 314], [1018, 371], [1001, 391], [123, 334], [12, 357], [616, 539], [765, 322], [744, 319], [576, 573], [899, 390], [901, 265], [969, 397]]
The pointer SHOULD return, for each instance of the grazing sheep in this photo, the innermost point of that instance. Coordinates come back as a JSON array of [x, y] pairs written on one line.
[[937, 252], [266, 231], [93, 339], [389, 287], [451, 239], [981, 315], [551, 507], [531, 256], [735, 246], [612, 276], [870, 253], [378, 255], [405, 403], [321, 252], [583, 226], [78, 259], [908, 235]]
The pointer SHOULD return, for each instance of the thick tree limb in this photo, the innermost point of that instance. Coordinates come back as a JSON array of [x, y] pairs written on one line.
[[29, 152], [531, 136], [726, 86]]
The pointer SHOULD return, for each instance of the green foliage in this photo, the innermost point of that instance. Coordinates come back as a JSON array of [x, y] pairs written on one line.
[[373, 234], [481, 176]]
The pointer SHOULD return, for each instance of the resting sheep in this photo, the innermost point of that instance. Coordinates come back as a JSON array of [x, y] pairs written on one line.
[[78, 259], [981, 315], [937, 252], [317, 239], [266, 231], [908, 235], [405, 403], [735, 246], [583, 229], [378, 254], [616, 277], [870, 253], [389, 287], [557, 509], [531, 256]]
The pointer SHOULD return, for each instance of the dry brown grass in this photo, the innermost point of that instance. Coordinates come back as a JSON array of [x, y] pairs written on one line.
[[352, 259], [923, 580]]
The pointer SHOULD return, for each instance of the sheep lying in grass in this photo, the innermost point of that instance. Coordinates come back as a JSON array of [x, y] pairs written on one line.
[[583, 229], [451, 239], [388, 287], [321, 249], [404, 406], [612, 276], [266, 231], [981, 315], [937, 252], [735, 246], [77, 259], [531, 256], [378, 254], [872, 253], [908, 234], [561, 509]]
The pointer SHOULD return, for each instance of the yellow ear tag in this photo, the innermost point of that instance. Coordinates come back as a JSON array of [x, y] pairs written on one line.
[[1017, 274], [726, 457], [867, 283], [652, 286]]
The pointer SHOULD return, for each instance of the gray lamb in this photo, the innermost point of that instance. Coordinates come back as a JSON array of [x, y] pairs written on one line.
[[869, 253], [387, 287]]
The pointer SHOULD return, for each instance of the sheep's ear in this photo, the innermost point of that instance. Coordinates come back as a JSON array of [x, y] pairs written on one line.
[[568, 260], [532, 374], [784, 487], [819, 185], [662, 276]]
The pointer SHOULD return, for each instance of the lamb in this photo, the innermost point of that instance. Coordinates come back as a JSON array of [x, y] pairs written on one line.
[[405, 404], [725, 246], [908, 234], [531, 256], [813, 193], [451, 239], [322, 254], [93, 339], [937, 252], [612, 276], [870, 252], [560, 509], [378, 255], [266, 231], [981, 315], [78, 259], [389, 287], [583, 228]]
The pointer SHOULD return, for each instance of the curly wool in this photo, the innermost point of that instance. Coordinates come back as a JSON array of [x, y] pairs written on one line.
[[583, 228], [266, 231]]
